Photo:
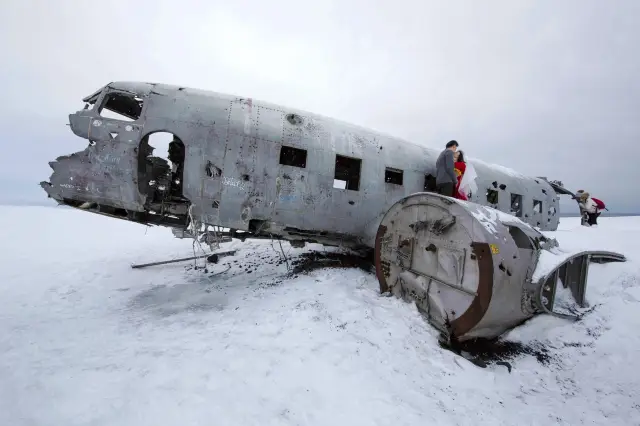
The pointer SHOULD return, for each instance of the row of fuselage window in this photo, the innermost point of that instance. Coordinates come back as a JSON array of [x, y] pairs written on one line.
[[347, 176]]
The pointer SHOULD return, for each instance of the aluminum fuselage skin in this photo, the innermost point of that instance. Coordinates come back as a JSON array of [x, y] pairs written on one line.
[[233, 176]]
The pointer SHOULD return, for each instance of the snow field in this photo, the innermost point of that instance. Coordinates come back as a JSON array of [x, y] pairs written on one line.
[[86, 340]]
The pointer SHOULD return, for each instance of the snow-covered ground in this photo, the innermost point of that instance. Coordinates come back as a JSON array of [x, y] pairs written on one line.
[[86, 340]]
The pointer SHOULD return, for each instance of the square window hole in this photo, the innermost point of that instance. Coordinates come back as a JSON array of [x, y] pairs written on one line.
[[492, 196], [393, 176], [348, 171], [430, 183], [290, 156], [537, 206], [516, 205]]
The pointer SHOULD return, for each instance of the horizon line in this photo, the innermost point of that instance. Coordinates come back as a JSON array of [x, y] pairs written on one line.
[[54, 204]]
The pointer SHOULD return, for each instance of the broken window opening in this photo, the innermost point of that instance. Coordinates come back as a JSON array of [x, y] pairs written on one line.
[[393, 176], [256, 225], [347, 171], [492, 196], [212, 171], [552, 211], [537, 206], [294, 119], [161, 160], [430, 183], [520, 238], [295, 157], [121, 106], [516, 205]]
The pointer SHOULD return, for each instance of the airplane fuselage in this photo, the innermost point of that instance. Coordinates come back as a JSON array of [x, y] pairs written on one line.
[[253, 166]]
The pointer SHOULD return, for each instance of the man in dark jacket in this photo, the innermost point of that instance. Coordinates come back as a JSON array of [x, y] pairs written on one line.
[[446, 178]]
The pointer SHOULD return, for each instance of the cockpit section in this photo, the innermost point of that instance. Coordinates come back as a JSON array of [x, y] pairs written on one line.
[[111, 111], [119, 173], [119, 105]]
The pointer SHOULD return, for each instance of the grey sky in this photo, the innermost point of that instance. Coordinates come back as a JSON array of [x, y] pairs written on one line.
[[549, 88]]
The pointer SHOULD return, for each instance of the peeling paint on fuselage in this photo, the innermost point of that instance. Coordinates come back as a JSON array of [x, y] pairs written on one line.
[[232, 169]]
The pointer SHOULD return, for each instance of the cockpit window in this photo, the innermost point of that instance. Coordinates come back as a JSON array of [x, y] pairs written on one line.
[[121, 106]]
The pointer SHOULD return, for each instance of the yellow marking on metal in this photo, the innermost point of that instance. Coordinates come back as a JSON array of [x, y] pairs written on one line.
[[494, 248]]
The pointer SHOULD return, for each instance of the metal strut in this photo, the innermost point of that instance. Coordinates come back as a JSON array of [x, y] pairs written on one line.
[[213, 256]]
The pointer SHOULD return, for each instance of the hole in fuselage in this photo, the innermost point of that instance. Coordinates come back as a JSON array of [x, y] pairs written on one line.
[[347, 173], [429, 183], [294, 119], [394, 176], [492, 196], [161, 158], [291, 156]]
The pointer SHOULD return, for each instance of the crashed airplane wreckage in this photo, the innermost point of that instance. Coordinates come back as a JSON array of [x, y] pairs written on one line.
[[267, 171]]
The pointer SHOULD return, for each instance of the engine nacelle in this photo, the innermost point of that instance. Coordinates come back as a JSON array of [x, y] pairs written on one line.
[[469, 268]]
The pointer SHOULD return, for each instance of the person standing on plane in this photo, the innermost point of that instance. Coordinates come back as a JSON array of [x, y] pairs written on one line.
[[446, 179], [467, 186], [459, 167]]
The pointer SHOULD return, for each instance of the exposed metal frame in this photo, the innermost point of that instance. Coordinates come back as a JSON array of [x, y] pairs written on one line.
[[574, 272]]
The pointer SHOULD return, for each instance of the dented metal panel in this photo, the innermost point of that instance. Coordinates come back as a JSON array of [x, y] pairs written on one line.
[[457, 261], [472, 270]]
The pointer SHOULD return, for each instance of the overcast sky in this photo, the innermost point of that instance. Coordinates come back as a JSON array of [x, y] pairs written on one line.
[[549, 88]]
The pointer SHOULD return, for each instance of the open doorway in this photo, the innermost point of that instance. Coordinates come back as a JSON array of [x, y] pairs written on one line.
[[161, 160]]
